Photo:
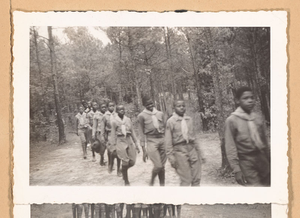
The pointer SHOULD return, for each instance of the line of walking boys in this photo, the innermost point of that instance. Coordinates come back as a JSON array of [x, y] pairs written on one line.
[[107, 127], [132, 210]]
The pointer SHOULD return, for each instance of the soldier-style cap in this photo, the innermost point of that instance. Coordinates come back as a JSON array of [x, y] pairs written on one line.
[[146, 99]]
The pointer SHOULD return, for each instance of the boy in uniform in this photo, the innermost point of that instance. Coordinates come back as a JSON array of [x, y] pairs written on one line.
[[90, 116], [124, 138], [105, 136], [152, 131], [82, 126], [246, 144], [183, 150], [96, 132]]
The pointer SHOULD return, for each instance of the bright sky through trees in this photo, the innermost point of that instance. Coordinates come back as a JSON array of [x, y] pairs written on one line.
[[58, 32]]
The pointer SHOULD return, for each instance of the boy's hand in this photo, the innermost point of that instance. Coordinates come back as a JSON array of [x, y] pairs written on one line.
[[174, 164], [172, 161], [137, 149], [240, 178], [145, 156]]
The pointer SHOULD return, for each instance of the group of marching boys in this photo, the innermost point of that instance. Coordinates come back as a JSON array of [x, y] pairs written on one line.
[[106, 126], [132, 210]]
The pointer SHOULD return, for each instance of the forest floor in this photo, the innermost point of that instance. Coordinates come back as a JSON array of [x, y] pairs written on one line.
[[63, 165], [187, 211]]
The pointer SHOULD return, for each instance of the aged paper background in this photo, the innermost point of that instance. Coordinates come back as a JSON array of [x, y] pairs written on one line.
[[293, 48]]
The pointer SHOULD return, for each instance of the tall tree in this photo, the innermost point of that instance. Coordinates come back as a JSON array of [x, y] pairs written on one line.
[[35, 37], [60, 123], [221, 116]]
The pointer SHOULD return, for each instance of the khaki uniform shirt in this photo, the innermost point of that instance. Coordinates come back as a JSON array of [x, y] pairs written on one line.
[[82, 120], [106, 121], [174, 135], [238, 140], [90, 116], [97, 122], [116, 129], [146, 126]]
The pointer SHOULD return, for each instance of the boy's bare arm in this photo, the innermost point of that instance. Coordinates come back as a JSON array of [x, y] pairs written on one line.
[[134, 138], [142, 137], [141, 130], [169, 145]]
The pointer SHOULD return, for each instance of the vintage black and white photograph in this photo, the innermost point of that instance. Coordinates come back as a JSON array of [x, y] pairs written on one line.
[[121, 210], [138, 107], [150, 106]]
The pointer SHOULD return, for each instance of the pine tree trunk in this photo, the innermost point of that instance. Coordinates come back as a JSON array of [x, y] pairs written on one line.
[[135, 73], [197, 84], [121, 94], [254, 47], [221, 117], [152, 90], [164, 101], [46, 114], [60, 123], [169, 57]]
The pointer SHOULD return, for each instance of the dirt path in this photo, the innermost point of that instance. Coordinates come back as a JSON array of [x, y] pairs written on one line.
[[64, 166], [187, 211]]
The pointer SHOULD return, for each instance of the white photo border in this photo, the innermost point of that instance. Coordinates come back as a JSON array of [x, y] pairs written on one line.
[[277, 193]]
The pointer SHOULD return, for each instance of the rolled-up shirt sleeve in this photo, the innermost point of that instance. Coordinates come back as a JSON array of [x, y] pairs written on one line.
[[168, 142], [230, 147]]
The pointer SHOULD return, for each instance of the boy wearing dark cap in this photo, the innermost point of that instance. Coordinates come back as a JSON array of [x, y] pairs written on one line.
[[151, 132], [246, 144], [183, 151]]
